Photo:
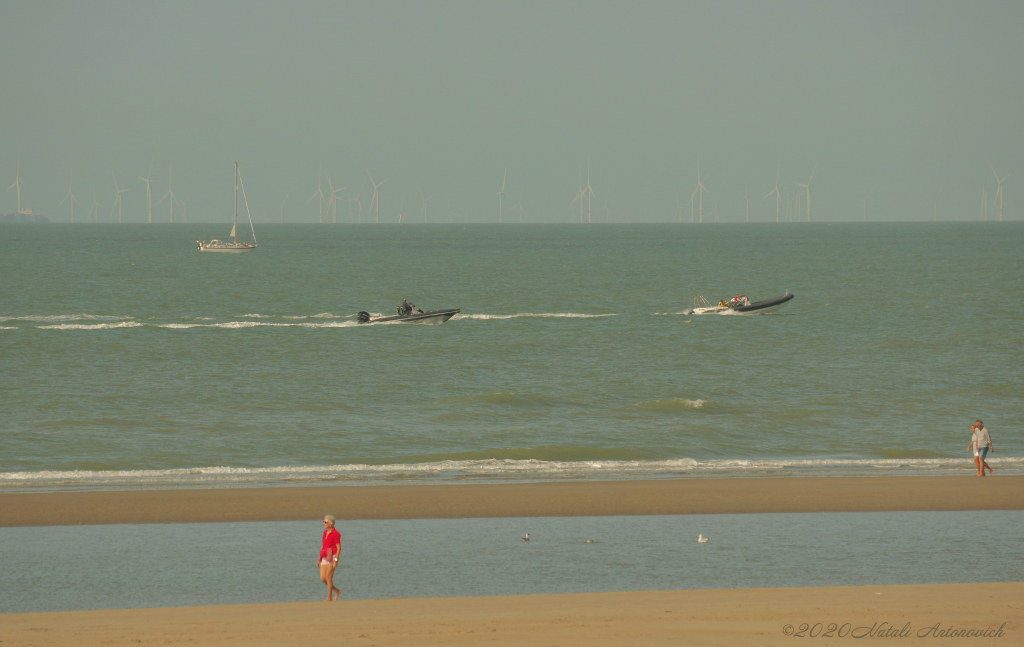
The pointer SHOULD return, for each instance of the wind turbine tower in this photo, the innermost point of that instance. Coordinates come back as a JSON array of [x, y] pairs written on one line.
[[95, 208], [117, 200], [319, 192], [778, 196], [333, 204], [17, 183], [425, 201], [149, 194], [70, 196], [807, 188], [169, 194], [589, 193], [700, 188], [999, 193], [579, 196], [376, 197]]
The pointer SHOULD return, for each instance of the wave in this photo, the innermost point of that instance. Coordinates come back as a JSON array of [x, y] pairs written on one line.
[[570, 315], [57, 318], [496, 469], [8, 327], [671, 404], [99, 326]]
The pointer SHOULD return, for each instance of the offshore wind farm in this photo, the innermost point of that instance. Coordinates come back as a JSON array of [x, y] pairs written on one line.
[[643, 130]]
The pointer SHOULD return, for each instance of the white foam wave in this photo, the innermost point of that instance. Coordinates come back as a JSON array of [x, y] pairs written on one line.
[[494, 469], [571, 315], [101, 326], [8, 327], [57, 318]]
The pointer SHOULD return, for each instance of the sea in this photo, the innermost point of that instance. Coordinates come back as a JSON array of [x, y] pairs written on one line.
[[199, 564], [128, 359]]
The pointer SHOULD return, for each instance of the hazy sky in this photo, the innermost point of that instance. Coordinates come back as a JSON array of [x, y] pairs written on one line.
[[908, 101]]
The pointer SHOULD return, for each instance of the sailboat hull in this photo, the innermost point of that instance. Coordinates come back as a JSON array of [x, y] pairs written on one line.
[[231, 248]]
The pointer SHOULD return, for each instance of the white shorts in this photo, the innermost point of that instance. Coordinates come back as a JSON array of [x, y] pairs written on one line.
[[975, 453], [325, 562]]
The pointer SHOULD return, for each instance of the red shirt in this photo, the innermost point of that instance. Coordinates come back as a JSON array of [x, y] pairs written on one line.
[[332, 543]]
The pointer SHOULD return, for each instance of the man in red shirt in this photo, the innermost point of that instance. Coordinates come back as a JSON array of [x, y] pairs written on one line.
[[328, 559]]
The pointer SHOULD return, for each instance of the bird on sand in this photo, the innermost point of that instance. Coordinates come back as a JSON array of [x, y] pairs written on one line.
[[526, 537], [701, 539]]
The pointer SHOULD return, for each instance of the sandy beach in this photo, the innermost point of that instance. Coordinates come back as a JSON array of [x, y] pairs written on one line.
[[705, 617], [558, 499], [904, 615]]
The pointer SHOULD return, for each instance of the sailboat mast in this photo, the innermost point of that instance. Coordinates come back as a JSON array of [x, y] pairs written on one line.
[[234, 223]]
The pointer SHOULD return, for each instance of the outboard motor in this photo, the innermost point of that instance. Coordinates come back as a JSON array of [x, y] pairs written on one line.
[[363, 317]]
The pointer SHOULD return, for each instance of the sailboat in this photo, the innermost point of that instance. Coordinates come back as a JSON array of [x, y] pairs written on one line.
[[216, 245]]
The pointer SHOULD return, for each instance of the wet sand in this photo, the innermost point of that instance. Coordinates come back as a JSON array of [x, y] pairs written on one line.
[[559, 499], [900, 615]]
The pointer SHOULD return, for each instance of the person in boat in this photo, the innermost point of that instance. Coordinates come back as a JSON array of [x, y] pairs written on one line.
[[739, 300]]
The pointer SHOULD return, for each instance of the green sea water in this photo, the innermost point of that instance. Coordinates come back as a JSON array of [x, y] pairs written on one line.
[[129, 358]]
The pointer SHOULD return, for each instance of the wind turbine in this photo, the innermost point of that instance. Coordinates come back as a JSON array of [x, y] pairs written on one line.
[[700, 188], [579, 196], [501, 192], [983, 214], [589, 193], [807, 188], [359, 201], [17, 183], [778, 196], [999, 193], [95, 208], [169, 194], [71, 196], [520, 205], [935, 212], [425, 201], [117, 200], [319, 192], [376, 197], [333, 204], [149, 194]]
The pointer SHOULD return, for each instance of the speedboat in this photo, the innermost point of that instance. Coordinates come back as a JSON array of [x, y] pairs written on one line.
[[411, 315], [739, 304]]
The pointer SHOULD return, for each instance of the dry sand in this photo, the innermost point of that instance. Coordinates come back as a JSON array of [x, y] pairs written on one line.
[[559, 499], [724, 617]]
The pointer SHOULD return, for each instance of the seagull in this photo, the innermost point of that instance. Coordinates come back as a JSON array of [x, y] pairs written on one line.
[[526, 537], [701, 539]]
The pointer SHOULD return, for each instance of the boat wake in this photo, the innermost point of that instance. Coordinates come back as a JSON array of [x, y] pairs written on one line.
[[567, 315]]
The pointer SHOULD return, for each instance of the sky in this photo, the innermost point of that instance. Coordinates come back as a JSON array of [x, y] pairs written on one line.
[[900, 109]]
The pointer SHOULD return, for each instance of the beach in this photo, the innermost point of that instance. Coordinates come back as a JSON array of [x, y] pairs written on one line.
[[904, 615], [550, 499], [753, 616]]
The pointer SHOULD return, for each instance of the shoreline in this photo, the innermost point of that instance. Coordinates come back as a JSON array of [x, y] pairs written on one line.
[[936, 613], [544, 499]]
